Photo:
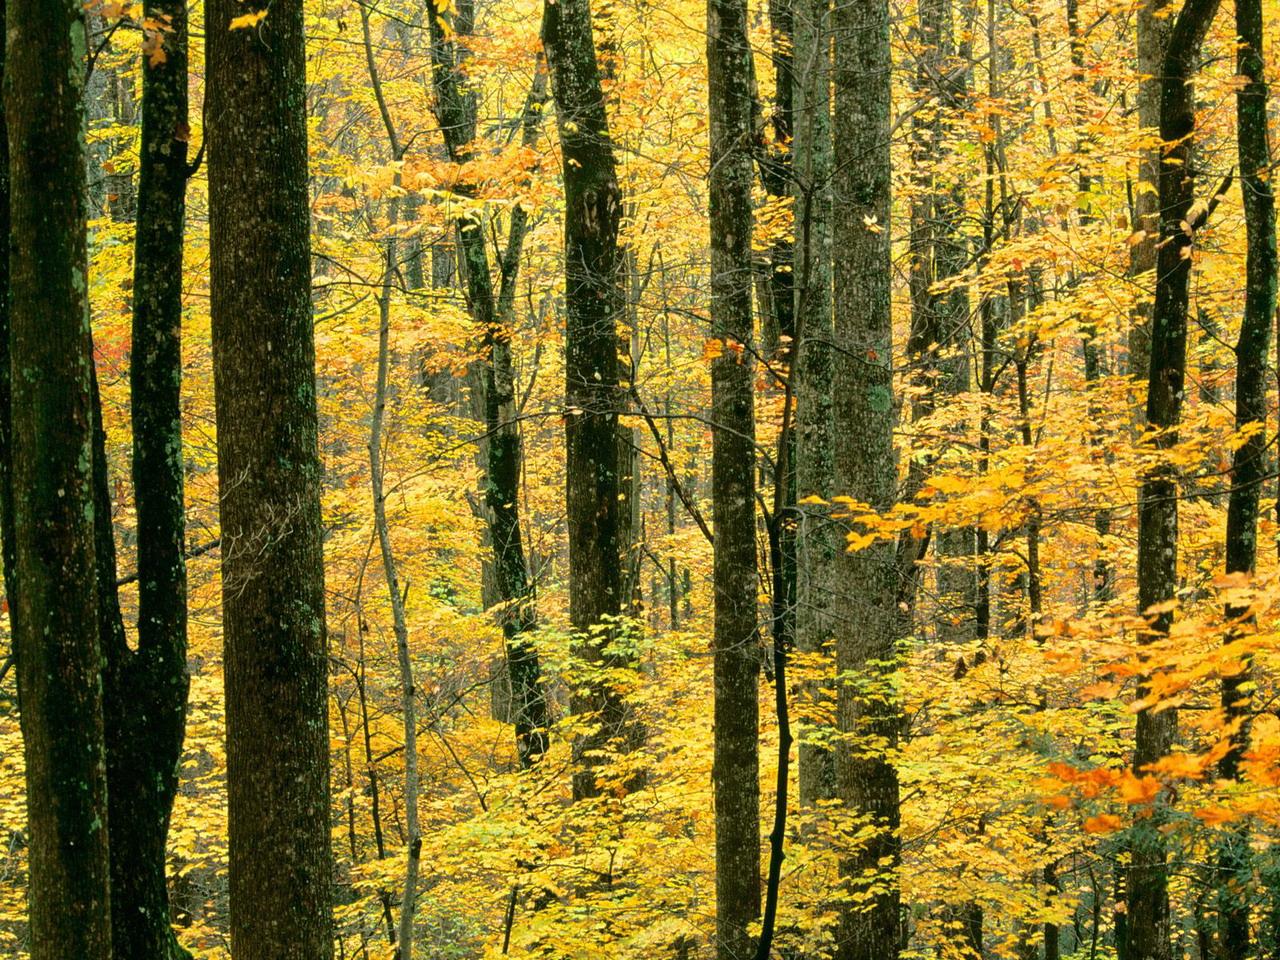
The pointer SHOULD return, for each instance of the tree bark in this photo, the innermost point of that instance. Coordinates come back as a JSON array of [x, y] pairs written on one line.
[[592, 264], [146, 688], [1148, 895], [736, 771], [815, 534], [1248, 465], [56, 611], [502, 449], [1153, 36], [864, 469], [269, 486], [7, 537]]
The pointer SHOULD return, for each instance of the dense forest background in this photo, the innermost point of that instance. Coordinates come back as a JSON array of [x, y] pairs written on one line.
[[793, 479]]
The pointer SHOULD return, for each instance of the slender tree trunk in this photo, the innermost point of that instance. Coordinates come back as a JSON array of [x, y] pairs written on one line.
[[1248, 467], [269, 486], [146, 688], [592, 263], [502, 450], [1093, 348], [390, 567], [940, 319], [815, 533], [1153, 35], [408, 698], [1148, 876], [864, 469], [736, 773], [56, 610]]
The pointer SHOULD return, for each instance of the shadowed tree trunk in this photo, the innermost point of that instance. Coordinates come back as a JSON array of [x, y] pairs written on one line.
[[1248, 466], [1148, 875], [501, 448], [7, 538], [736, 774], [864, 469], [269, 486], [55, 609], [592, 265], [146, 688]]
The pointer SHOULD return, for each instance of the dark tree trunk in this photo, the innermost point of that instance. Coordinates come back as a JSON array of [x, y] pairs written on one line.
[[269, 486], [736, 772], [502, 452], [56, 610], [1248, 467], [7, 538], [1148, 903], [864, 470], [146, 688], [592, 264]]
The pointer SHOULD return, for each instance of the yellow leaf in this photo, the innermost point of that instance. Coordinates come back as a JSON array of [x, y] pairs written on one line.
[[248, 20]]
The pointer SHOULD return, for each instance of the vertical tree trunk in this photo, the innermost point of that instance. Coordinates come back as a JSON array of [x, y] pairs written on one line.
[[408, 697], [1103, 573], [146, 688], [864, 470], [1248, 466], [815, 535], [943, 317], [56, 609], [592, 264], [269, 486], [1153, 35], [1148, 877], [390, 567], [7, 537], [502, 452], [736, 772]]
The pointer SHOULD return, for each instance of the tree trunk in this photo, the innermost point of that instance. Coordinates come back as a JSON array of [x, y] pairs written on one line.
[[502, 449], [269, 486], [1153, 35], [390, 569], [7, 537], [864, 470], [56, 610], [1148, 903], [1248, 466], [592, 264], [146, 688], [815, 535], [736, 772]]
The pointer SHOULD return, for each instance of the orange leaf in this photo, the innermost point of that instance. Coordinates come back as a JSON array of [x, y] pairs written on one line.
[[1103, 824]]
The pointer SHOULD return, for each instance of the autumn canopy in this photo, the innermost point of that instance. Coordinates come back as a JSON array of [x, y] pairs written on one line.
[[639, 480]]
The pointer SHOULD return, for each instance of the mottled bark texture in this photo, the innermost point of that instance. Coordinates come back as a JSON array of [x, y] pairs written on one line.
[[7, 554], [55, 612], [865, 630], [736, 771], [269, 485], [1148, 875], [592, 268], [146, 687], [502, 452], [815, 535]]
